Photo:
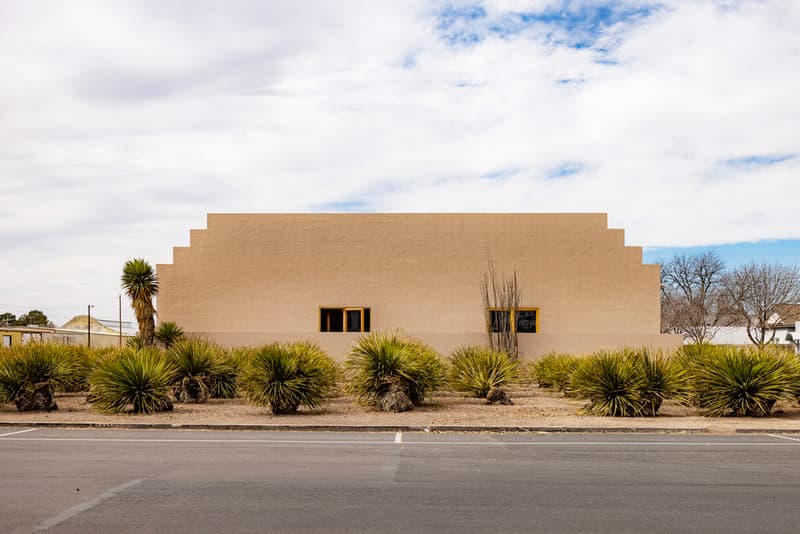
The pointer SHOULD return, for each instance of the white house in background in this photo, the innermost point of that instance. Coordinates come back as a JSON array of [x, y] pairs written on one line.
[[787, 330]]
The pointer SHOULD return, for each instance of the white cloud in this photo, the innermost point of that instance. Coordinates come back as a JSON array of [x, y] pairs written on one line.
[[123, 124]]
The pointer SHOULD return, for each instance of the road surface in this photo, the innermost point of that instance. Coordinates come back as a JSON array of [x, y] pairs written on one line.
[[63, 481]]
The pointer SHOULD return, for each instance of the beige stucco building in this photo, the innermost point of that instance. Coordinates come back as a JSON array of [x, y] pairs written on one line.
[[256, 278]]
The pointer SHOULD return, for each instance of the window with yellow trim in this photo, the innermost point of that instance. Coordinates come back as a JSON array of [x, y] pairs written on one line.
[[350, 319], [519, 320]]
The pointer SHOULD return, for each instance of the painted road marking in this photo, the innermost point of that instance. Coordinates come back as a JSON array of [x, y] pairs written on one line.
[[398, 438], [783, 437], [18, 432], [85, 506], [790, 443]]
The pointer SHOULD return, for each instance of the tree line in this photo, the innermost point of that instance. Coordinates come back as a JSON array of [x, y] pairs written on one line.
[[699, 295], [33, 317]]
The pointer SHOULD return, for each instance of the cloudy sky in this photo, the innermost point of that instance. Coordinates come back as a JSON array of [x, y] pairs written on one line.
[[123, 123]]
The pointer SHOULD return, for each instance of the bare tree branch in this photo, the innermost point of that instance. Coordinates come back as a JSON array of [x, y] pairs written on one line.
[[757, 293], [690, 296]]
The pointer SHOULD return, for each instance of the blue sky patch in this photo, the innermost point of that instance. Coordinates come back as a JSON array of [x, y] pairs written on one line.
[[500, 174], [784, 251], [346, 206], [761, 160], [574, 24], [565, 169]]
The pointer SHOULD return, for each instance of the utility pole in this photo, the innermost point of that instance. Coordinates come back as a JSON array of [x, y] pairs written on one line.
[[89, 325], [120, 320]]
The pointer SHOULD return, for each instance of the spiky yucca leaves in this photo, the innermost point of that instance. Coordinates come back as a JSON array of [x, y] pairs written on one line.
[[134, 342], [168, 333], [554, 370], [628, 382], [141, 284], [476, 370], [196, 362], [136, 381], [742, 382], [26, 366], [381, 358], [225, 380], [612, 383], [286, 376], [662, 378]]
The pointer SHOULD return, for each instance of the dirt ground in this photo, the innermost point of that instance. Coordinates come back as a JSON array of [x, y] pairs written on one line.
[[532, 407]]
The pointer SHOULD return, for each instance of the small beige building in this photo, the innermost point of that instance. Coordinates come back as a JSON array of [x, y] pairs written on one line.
[[255, 278]]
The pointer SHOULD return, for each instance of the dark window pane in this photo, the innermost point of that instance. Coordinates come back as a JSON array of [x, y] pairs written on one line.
[[526, 321], [499, 321], [366, 319], [353, 320], [331, 320]]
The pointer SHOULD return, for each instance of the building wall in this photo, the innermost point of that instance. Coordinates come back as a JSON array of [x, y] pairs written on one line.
[[254, 278]]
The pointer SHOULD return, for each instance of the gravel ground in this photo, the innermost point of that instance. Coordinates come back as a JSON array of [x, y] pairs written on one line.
[[532, 407]]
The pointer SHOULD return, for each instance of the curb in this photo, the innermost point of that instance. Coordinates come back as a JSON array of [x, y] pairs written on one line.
[[399, 428], [377, 428]]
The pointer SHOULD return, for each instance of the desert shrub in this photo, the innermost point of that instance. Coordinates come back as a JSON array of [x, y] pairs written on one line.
[[662, 378], [135, 343], [224, 383], [611, 382], [82, 361], [741, 382], [381, 361], [168, 333], [136, 381], [627, 382], [476, 370], [31, 374], [286, 376], [554, 370], [198, 365]]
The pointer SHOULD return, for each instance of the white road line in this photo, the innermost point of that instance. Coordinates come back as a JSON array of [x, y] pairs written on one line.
[[85, 506], [398, 437], [18, 432], [783, 437], [421, 443]]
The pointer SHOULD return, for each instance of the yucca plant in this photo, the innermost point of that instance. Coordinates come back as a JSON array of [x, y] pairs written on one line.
[[224, 381], [135, 343], [628, 382], [742, 382], [31, 374], [196, 362], [662, 378], [554, 370], [82, 362], [285, 376], [136, 381], [386, 363], [169, 333], [612, 383], [477, 370]]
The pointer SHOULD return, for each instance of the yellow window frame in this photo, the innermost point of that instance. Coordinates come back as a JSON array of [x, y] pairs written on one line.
[[344, 309], [512, 317]]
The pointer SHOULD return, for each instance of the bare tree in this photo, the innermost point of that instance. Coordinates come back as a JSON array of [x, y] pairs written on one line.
[[691, 287], [501, 297], [757, 292]]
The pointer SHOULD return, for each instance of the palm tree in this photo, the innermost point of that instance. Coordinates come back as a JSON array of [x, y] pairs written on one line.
[[141, 284]]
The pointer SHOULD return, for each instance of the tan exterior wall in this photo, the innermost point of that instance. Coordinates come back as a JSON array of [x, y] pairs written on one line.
[[254, 278]]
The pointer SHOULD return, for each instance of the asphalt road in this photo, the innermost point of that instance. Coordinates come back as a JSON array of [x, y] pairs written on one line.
[[63, 481]]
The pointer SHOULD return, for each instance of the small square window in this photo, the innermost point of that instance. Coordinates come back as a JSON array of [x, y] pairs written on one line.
[[344, 319], [519, 320]]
